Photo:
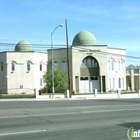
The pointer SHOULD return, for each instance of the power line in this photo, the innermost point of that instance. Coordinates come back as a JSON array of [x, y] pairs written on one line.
[[48, 46], [13, 44], [104, 56], [107, 53]]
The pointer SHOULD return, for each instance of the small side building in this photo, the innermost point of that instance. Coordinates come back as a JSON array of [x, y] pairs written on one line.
[[22, 70]]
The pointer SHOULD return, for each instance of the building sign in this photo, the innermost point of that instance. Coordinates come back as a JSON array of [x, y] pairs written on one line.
[[89, 52]]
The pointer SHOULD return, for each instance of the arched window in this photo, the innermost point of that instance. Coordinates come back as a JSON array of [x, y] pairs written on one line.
[[89, 62], [93, 63], [13, 66], [28, 66], [85, 63], [55, 65], [64, 66], [40, 67]]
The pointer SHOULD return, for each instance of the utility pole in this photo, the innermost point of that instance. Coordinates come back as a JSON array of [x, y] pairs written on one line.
[[68, 61]]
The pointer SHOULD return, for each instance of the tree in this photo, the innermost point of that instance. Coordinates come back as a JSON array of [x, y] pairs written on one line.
[[60, 81]]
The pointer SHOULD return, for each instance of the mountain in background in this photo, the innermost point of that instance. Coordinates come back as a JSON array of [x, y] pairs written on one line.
[[132, 67]]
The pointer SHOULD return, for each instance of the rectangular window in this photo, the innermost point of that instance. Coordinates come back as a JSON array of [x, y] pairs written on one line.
[[21, 86], [94, 78], [110, 83], [119, 80], [122, 82], [83, 78], [41, 82], [88, 62], [93, 63], [113, 82], [112, 65], [122, 65], [119, 65], [109, 65]]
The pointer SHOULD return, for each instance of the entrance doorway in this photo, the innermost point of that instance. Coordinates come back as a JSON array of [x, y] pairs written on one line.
[[94, 83], [84, 85]]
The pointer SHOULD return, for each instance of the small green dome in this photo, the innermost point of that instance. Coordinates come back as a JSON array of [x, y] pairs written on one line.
[[23, 46], [84, 38]]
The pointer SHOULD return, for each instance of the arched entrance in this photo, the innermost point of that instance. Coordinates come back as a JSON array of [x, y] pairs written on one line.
[[89, 75]]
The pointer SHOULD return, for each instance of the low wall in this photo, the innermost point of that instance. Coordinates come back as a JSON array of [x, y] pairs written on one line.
[[56, 95], [91, 96]]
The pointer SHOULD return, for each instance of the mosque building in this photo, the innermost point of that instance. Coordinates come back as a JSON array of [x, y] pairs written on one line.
[[92, 66]]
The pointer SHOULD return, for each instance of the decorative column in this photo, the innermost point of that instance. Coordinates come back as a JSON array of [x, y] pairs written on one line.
[[101, 83], [132, 79]]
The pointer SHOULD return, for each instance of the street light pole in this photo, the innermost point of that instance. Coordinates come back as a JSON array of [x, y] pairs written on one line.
[[61, 25]]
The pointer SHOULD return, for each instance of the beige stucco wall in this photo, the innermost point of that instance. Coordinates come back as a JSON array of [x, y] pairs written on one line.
[[59, 55], [30, 80]]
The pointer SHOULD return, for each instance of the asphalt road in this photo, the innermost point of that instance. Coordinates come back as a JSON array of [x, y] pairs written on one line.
[[69, 120]]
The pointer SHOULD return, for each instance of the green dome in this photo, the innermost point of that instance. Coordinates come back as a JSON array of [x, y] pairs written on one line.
[[23, 46], [84, 38]]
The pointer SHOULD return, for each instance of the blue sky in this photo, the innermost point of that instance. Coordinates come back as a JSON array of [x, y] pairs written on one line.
[[115, 23]]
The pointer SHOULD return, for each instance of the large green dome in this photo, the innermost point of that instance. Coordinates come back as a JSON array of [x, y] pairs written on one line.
[[23, 46], [84, 38]]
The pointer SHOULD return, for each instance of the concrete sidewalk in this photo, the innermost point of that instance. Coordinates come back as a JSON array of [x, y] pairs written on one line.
[[77, 97]]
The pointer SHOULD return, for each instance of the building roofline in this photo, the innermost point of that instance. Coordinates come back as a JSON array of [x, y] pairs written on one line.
[[56, 49], [89, 45], [115, 48], [22, 52]]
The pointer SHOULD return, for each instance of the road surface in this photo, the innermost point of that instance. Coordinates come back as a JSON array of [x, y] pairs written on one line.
[[69, 120]]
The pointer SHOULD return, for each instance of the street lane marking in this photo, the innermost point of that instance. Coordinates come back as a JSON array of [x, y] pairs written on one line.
[[98, 111], [103, 106], [25, 132], [80, 112]]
